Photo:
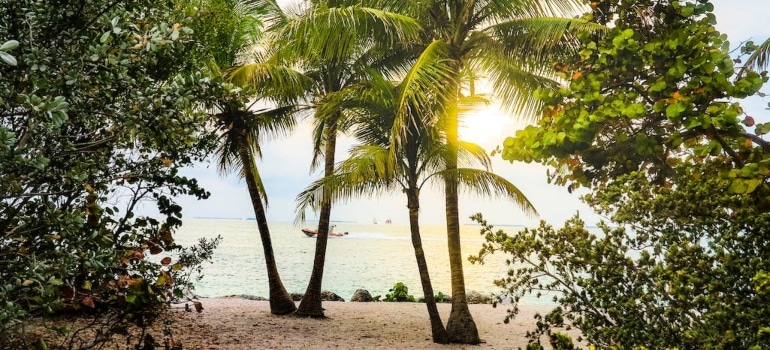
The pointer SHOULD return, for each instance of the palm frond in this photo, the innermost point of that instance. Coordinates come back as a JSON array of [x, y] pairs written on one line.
[[271, 13], [501, 10], [514, 85], [269, 123], [489, 184], [318, 142], [269, 81], [542, 39], [430, 81], [433, 160], [759, 59], [369, 161], [470, 153], [330, 34], [227, 159], [256, 177], [367, 172], [237, 125], [337, 102], [226, 28], [229, 123]]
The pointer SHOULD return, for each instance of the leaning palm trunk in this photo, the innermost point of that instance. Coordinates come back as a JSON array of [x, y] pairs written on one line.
[[280, 300], [311, 301], [438, 331], [460, 326]]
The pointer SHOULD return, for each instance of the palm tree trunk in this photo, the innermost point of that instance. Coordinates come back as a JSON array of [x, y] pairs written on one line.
[[460, 326], [311, 301], [280, 300], [438, 331]]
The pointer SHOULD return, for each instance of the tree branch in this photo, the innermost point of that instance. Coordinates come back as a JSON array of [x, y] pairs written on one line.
[[758, 140]]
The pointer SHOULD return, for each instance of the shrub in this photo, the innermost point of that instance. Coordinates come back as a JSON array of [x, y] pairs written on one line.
[[399, 293], [100, 112]]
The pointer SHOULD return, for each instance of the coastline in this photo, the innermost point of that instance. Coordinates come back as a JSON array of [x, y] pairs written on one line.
[[371, 257]]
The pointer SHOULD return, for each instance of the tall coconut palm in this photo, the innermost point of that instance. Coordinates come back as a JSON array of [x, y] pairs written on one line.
[[511, 44], [336, 47], [379, 165], [229, 28]]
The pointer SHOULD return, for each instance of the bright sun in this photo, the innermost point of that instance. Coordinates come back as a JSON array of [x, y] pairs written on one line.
[[487, 127]]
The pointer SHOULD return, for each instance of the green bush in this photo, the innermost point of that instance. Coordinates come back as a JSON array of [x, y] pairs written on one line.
[[399, 293], [441, 297]]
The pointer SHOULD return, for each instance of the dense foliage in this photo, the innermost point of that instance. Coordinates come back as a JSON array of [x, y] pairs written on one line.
[[97, 115], [649, 124]]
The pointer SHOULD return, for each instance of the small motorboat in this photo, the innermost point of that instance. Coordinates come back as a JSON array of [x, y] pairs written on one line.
[[314, 233]]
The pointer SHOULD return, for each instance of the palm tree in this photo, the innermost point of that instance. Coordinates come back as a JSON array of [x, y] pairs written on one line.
[[231, 27], [240, 133], [511, 44], [336, 47], [379, 165]]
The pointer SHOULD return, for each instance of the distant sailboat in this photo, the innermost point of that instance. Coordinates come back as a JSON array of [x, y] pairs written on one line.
[[374, 221], [388, 221]]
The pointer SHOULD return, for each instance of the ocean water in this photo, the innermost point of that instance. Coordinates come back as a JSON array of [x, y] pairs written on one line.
[[372, 256]]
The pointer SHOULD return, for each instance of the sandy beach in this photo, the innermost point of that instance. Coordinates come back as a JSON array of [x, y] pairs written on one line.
[[240, 324], [245, 324]]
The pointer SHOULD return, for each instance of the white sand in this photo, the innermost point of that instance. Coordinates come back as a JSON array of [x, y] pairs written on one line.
[[233, 323], [246, 324]]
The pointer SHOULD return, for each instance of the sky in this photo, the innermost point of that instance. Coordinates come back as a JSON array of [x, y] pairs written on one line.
[[286, 163]]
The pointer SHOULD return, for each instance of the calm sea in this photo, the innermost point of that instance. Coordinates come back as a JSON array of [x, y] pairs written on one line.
[[372, 256]]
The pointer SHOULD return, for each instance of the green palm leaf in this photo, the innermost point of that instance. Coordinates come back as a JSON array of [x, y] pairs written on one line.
[[238, 126], [429, 82], [327, 34], [541, 39], [759, 59], [489, 184], [277, 83], [369, 170]]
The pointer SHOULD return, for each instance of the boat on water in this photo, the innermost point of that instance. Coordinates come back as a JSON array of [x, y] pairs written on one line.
[[314, 233]]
